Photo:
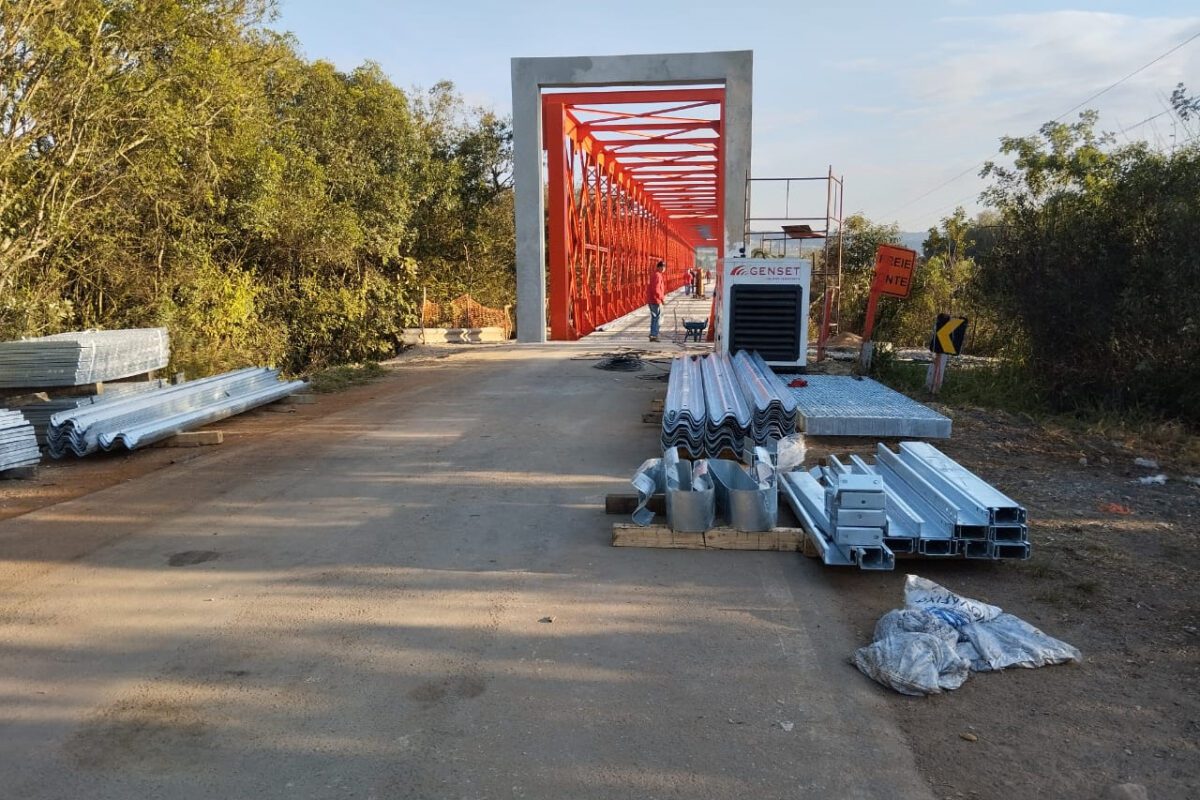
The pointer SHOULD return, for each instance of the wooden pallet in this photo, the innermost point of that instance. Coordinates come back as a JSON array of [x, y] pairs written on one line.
[[627, 503], [626, 534], [655, 415]]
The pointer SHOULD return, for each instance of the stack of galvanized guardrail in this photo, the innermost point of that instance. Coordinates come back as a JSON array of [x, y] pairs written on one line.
[[932, 506], [82, 357], [716, 403], [39, 412], [148, 417], [18, 446], [772, 404]]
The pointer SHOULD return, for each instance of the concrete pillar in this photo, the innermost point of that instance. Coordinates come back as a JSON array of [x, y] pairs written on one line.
[[529, 201]]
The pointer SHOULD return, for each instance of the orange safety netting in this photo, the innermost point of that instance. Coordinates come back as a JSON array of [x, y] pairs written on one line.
[[465, 312]]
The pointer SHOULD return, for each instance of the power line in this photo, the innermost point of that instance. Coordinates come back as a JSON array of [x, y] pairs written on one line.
[[1151, 118], [1100, 93], [956, 203], [1121, 132], [1142, 68]]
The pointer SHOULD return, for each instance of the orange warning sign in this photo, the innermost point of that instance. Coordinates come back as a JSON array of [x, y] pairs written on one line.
[[893, 270]]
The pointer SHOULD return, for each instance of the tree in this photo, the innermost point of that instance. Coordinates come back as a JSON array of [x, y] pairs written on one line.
[[176, 162], [860, 239], [1185, 106], [465, 240], [1097, 260]]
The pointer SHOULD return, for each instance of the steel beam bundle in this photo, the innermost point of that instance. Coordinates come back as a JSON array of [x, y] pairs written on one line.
[[148, 417], [82, 357], [843, 514], [18, 446], [981, 522], [932, 506], [716, 403]]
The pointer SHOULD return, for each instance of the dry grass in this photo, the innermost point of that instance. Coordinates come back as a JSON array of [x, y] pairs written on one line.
[[336, 379]]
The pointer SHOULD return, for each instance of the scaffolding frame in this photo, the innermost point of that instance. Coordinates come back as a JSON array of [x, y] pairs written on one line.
[[827, 274]]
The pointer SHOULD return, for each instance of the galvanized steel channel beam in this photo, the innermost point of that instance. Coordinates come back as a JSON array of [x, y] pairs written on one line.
[[928, 509]]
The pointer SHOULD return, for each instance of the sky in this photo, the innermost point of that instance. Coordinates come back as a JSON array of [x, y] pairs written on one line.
[[906, 100]]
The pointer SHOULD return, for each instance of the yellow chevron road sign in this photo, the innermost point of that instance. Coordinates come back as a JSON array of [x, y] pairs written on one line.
[[948, 335]]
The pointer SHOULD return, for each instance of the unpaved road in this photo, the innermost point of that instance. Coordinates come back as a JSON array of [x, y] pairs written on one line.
[[349, 606]]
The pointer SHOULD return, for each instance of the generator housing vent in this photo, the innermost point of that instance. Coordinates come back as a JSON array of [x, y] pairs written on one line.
[[767, 319]]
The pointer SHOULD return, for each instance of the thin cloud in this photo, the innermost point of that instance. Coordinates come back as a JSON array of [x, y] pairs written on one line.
[[1058, 54], [1009, 74]]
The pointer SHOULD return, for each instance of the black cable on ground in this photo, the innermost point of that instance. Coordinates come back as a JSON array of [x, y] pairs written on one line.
[[620, 362]]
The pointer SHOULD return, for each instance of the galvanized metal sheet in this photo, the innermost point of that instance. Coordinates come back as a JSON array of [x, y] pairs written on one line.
[[82, 357]]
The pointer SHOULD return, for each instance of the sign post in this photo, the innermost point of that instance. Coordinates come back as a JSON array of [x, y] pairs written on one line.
[[893, 277], [948, 335]]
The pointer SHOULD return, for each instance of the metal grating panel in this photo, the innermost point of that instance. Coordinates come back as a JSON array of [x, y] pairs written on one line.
[[842, 405]]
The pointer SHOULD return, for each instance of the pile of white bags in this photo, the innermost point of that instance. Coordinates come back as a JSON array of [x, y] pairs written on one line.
[[939, 638]]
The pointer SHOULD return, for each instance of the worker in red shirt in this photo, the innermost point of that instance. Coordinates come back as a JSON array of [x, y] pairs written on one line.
[[656, 292]]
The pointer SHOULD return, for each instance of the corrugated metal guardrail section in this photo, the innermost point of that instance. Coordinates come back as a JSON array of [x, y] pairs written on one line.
[[149, 417], [39, 412], [918, 501], [717, 403]]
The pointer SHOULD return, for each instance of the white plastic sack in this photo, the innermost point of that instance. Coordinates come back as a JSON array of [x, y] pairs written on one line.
[[1009, 641], [941, 637], [790, 452], [921, 593], [913, 663], [908, 620]]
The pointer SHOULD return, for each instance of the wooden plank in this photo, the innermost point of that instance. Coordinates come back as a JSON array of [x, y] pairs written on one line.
[[653, 418], [657, 405], [807, 547], [193, 439], [301, 399], [31, 399], [626, 534], [627, 503], [82, 390], [730, 539]]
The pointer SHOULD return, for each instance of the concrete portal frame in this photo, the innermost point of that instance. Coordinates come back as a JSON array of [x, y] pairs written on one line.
[[732, 69]]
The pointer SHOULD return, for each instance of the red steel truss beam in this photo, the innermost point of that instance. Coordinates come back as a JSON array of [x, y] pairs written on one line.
[[615, 208], [693, 97]]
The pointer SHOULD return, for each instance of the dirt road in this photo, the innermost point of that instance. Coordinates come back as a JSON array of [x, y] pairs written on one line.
[[413, 597]]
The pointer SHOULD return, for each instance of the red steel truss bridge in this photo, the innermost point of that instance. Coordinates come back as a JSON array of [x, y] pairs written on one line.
[[634, 177]]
